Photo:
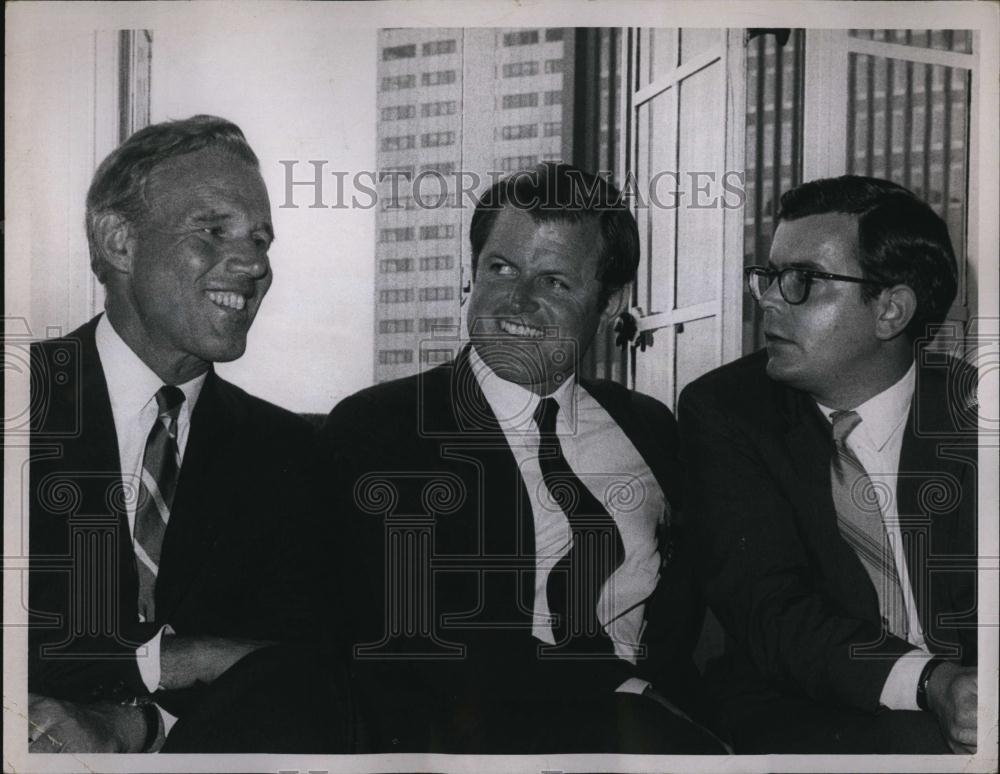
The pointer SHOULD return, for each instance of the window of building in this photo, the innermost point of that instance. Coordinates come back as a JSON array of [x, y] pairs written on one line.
[[554, 33], [529, 99], [401, 172], [554, 65], [553, 128], [519, 132], [394, 356], [396, 82], [515, 163], [437, 78], [436, 355], [446, 108], [440, 167], [401, 142], [437, 262], [392, 265], [400, 203], [520, 38], [399, 52], [435, 47], [395, 326], [439, 231], [520, 69], [398, 112], [402, 234], [428, 324], [444, 293], [553, 97], [395, 295], [437, 139]]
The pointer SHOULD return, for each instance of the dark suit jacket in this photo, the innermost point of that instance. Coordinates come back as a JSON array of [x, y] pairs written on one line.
[[429, 473], [233, 561], [800, 613]]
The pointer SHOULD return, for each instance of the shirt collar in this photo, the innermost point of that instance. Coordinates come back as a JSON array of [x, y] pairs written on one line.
[[514, 405], [131, 383], [882, 414]]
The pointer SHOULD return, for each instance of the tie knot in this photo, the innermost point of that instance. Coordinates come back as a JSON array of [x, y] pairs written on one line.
[[169, 400], [844, 423], [545, 415]]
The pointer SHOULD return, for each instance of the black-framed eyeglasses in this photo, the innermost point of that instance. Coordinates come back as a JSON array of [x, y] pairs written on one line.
[[793, 282]]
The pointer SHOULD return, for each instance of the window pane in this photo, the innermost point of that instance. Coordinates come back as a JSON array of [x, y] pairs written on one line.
[[661, 212], [662, 51], [699, 211], [696, 41]]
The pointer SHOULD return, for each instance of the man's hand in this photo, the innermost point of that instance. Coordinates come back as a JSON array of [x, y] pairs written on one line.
[[185, 661], [64, 726], [951, 696]]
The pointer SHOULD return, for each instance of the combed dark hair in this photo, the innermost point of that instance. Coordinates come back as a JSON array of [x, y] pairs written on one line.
[[564, 193], [901, 240], [119, 184]]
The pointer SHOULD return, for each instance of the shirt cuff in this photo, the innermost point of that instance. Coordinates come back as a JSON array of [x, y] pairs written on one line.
[[633, 685], [900, 689], [168, 720], [147, 657]]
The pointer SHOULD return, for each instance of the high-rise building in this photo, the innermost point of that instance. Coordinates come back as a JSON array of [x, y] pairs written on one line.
[[458, 109]]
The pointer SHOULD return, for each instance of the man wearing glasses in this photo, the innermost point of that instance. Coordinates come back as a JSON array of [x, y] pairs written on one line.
[[834, 485]]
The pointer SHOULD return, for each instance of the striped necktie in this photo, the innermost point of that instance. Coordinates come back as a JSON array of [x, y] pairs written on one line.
[[574, 585], [859, 519], [158, 481]]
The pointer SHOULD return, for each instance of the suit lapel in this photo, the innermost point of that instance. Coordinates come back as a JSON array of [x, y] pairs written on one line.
[[501, 506], [97, 449], [928, 474], [808, 443], [809, 447], [200, 505]]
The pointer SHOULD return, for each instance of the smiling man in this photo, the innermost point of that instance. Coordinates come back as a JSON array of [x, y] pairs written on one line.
[[503, 513], [833, 479], [167, 505]]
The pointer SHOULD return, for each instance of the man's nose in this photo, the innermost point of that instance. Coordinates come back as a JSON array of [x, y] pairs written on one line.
[[522, 297], [772, 299], [245, 256]]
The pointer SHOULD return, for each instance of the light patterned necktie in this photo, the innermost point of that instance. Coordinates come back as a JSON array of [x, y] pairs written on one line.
[[859, 518], [158, 481], [574, 585]]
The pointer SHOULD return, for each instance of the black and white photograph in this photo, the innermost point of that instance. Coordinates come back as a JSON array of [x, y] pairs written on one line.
[[543, 387]]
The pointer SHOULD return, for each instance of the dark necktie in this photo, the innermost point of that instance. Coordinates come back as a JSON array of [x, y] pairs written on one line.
[[158, 482], [859, 519], [575, 583]]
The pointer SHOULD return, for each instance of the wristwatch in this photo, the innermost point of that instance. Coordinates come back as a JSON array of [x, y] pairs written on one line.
[[154, 722], [925, 678]]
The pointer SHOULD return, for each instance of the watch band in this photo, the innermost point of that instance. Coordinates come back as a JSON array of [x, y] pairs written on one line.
[[151, 715], [925, 678]]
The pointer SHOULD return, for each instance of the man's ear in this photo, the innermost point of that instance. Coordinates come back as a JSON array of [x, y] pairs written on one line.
[[616, 304], [896, 307], [114, 235]]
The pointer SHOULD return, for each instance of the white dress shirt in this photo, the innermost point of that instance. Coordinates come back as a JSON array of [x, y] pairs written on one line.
[[877, 442], [608, 464], [132, 388]]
